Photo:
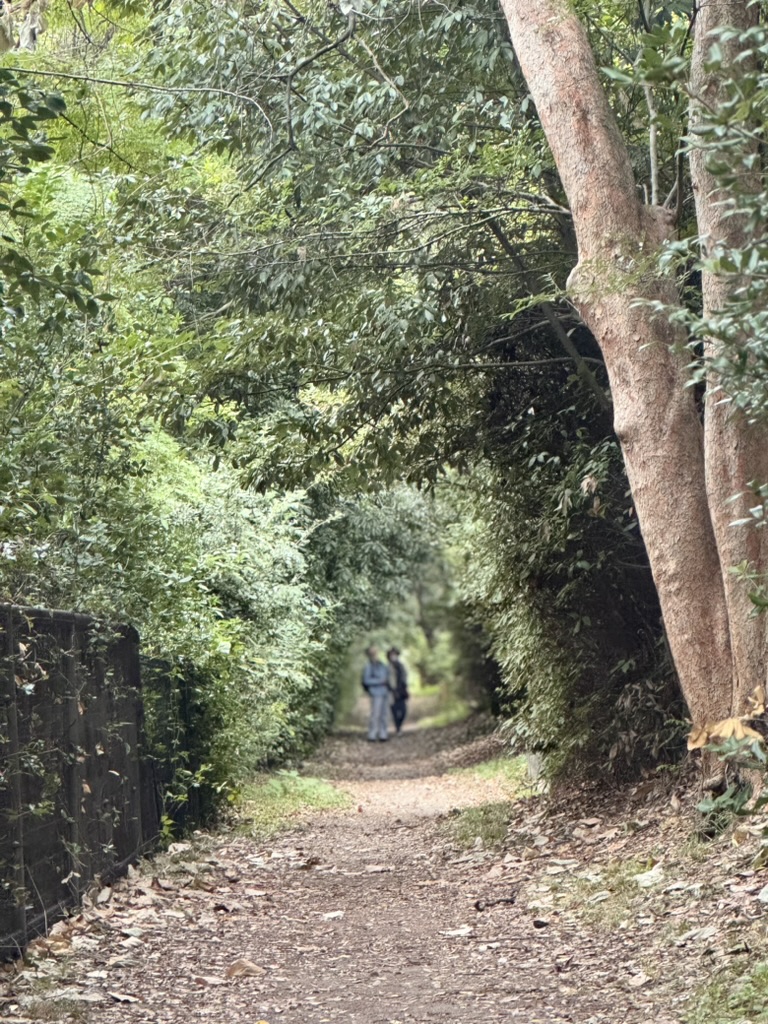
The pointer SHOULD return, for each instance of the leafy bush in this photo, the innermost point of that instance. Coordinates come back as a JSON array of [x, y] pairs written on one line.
[[558, 577]]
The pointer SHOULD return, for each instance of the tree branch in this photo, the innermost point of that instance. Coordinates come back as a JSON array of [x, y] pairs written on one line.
[[653, 151], [146, 87], [553, 320]]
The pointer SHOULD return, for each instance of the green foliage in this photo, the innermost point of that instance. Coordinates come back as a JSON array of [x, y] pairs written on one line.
[[731, 998], [730, 135], [509, 771], [113, 501], [487, 823], [741, 759], [25, 114], [453, 708], [334, 248], [557, 575], [271, 804], [352, 277]]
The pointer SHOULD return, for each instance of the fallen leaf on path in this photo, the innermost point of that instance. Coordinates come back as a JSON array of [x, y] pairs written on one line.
[[647, 879], [55, 947], [179, 848], [121, 961], [226, 908], [637, 980], [200, 883], [333, 915], [378, 869], [78, 997], [121, 997], [696, 935], [207, 979], [464, 932], [600, 897], [244, 969], [758, 700]]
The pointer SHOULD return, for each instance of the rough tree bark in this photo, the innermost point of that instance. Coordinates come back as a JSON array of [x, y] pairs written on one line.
[[655, 416], [735, 453]]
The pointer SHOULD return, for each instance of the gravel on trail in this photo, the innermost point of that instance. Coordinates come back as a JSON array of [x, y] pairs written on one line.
[[372, 915]]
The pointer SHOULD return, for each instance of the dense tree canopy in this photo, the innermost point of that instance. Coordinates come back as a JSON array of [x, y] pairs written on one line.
[[283, 262]]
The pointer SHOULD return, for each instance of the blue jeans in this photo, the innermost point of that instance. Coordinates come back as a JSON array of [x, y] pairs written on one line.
[[378, 722]]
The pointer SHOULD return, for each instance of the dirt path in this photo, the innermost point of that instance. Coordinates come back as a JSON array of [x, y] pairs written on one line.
[[369, 916]]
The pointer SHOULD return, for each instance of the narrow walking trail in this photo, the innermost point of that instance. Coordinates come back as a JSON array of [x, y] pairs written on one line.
[[372, 915]]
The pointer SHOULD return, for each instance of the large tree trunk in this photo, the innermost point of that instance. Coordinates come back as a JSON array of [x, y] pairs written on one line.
[[654, 413], [735, 452]]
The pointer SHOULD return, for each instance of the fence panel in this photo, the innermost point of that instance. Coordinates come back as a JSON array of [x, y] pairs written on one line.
[[72, 777]]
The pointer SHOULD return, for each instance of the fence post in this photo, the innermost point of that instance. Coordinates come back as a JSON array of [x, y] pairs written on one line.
[[16, 824]]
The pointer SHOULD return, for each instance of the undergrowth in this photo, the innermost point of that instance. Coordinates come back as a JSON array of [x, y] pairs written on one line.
[[509, 771], [488, 823], [58, 1011], [274, 802], [607, 899], [727, 999]]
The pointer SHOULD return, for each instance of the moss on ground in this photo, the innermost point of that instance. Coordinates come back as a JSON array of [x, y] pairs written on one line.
[[509, 771], [490, 822], [273, 803], [487, 823]]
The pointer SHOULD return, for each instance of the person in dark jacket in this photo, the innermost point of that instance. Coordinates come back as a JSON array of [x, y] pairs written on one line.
[[400, 688], [376, 685]]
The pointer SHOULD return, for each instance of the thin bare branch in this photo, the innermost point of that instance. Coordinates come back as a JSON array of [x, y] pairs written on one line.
[[146, 87]]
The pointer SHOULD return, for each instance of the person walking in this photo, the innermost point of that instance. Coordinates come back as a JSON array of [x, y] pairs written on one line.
[[376, 685], [400, 690]]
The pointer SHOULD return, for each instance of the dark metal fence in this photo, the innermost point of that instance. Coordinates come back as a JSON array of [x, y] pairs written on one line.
[[78, 796]]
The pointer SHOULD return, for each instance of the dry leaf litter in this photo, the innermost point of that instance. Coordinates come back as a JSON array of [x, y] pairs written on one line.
[[594, 911]]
